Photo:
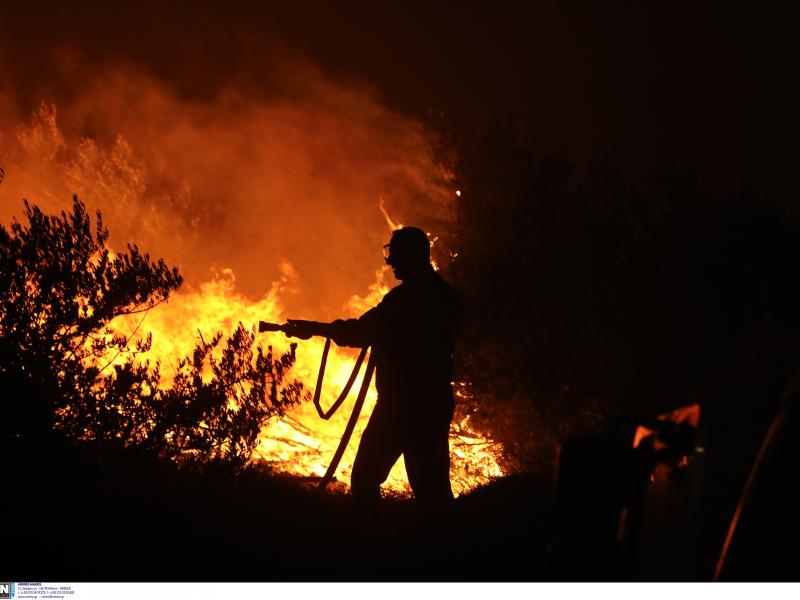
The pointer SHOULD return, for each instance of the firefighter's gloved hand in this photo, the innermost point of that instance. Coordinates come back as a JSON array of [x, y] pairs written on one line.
[[264, 326], [299, 329]]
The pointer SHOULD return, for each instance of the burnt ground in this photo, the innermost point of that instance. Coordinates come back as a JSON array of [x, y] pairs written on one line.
[[77, 516]]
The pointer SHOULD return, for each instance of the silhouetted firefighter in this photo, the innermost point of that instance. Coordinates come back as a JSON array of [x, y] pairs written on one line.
[[412, 333]]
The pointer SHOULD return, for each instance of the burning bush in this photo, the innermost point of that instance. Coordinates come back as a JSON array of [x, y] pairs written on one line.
[[64, 367]]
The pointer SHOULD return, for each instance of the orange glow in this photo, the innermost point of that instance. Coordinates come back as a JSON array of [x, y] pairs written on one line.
[[641, 433], [268, 209], [301, 443], [392, 225], [686, 414]]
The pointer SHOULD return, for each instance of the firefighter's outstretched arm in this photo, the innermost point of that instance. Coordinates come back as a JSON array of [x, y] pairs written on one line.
[[303, 330], [351, 332], [297, 328]]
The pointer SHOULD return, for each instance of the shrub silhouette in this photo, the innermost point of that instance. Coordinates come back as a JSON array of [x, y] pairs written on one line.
[[64, 369], [589, 297]]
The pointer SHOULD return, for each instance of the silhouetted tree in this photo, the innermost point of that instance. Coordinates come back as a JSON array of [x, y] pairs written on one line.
[[220, 419], [588, 297], [63, 368]]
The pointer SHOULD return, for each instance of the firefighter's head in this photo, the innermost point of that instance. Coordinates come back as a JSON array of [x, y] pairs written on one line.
[[408, 252]]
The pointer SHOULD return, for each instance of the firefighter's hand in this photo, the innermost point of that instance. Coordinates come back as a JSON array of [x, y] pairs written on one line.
[[299, 329], [265, 326]]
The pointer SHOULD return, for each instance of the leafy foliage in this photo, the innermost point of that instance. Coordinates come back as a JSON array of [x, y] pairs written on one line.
[[243, 392], [60, 289]]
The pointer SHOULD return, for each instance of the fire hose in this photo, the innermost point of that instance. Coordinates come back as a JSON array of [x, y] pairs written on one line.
[[362, 395]]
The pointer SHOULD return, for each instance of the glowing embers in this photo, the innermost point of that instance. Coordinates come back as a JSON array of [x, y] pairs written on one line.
[[473, 458]]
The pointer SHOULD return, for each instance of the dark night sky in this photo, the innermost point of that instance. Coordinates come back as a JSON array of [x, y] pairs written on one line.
[[644, 84]]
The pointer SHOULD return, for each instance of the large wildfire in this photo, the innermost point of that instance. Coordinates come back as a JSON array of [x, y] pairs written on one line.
[[272, 208]]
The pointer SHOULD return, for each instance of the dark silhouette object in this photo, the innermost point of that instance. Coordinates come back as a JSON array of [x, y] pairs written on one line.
[[626, 501], [60, 287], [592, 487], [412, 333], [761, 543], [64, 371]]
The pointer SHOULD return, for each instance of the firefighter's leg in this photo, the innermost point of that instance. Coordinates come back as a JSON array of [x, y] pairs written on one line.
[[378, 450], [427, 458]]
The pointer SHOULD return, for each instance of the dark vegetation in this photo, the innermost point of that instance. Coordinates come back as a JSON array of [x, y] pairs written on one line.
[[592, 304], [61, 288], [590, 297]]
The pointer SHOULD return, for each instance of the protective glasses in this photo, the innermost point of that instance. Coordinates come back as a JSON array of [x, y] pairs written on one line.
[[387, 254]]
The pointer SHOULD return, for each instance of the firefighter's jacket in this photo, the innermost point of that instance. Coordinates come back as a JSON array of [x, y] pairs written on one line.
[[412, 332]]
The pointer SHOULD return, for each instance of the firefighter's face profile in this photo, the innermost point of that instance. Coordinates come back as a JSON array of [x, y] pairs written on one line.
[[403, 263], [391, 259]]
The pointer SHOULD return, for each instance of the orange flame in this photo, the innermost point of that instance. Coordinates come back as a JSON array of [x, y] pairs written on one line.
[[686, 414], [300, 443], [392, 225], [228, 188]]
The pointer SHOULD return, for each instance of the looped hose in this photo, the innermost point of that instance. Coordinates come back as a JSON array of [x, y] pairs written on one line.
[[318, 389], [351, 424]]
